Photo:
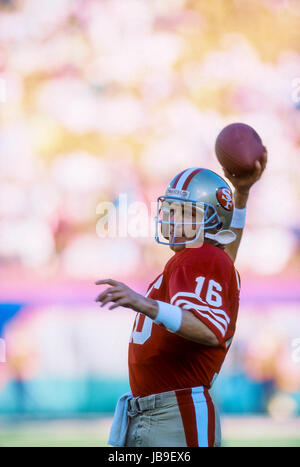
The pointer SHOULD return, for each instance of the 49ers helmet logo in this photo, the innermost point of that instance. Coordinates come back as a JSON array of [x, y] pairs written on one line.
[[224, 196]]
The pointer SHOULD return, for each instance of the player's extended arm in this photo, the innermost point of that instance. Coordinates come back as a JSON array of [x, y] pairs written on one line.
[[191, 328], [242, 187]]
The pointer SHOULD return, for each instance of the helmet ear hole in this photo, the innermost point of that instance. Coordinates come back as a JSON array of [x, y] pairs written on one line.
[[212, 218]]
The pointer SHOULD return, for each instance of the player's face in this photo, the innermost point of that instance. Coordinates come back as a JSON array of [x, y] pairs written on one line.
[[182, 224]]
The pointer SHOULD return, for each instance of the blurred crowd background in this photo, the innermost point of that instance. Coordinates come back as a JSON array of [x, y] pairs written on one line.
[[102, 97]]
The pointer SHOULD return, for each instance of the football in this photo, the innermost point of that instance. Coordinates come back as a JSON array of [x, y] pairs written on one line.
[[237, 148]]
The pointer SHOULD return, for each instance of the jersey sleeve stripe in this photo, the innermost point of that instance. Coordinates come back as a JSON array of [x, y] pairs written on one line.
[[215, 323], [187, 304], [215, 311], [219, 326], [187, 294]]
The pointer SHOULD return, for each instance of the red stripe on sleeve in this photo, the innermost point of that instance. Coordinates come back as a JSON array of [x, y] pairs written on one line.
[[188, 415]]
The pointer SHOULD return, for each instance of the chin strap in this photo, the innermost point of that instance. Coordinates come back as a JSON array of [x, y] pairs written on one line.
[[223, 236]]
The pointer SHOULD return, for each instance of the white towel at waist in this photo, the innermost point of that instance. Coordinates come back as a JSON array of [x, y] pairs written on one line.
[[118, 431]]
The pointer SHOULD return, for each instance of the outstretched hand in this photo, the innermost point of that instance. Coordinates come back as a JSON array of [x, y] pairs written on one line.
[[243, 183], [119, 293], [122, 295]]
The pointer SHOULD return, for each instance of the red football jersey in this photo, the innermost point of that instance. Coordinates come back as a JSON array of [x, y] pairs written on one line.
[[204, 281]]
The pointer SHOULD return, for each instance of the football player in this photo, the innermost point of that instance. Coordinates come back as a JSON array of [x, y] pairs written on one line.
[[185, 325]]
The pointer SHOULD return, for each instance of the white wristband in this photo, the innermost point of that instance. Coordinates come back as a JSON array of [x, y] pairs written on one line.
[[238, 218], [169, 315]]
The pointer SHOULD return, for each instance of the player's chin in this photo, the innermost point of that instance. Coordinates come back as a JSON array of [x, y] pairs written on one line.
[[179, 247]]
